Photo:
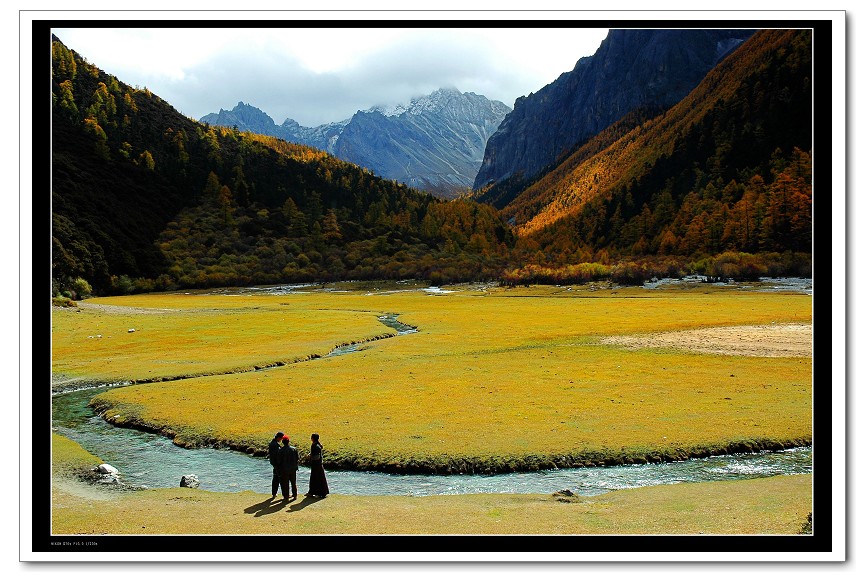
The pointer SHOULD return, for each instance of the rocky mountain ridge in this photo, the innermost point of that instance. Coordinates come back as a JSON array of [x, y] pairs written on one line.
[[435, 142], [658, 68]]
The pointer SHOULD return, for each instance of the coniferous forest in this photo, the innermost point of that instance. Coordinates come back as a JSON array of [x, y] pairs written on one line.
[[145, 198]]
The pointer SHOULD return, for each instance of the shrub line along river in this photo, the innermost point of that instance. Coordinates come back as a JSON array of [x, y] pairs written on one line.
[[151, 460]]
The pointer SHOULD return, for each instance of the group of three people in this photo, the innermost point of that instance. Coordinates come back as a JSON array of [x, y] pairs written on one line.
[[284, 460]]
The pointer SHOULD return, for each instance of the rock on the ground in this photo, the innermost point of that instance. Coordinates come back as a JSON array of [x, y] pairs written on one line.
[[107, 469], [190, 481]]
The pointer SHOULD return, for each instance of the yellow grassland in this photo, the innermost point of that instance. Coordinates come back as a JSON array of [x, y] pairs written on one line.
[[68, 457], [496, 379], [188, 335], [776, 505]]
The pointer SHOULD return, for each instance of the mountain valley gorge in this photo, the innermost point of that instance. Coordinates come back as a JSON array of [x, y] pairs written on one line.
[[665, 153]]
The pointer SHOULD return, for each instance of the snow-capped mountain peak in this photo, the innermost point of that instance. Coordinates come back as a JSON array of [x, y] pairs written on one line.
[[434, 142], [433, 102]]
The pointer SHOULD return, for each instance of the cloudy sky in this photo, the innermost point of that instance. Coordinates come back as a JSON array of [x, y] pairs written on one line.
[[320, 75]]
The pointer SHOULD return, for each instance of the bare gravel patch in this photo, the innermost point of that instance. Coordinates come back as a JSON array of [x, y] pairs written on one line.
[[761, 341]]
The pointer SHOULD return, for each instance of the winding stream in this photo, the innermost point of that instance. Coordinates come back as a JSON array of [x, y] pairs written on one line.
[[389, 320], [150, 460]]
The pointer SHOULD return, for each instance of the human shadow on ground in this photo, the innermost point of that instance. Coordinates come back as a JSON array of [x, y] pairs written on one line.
[[269, 505], [305, 502]]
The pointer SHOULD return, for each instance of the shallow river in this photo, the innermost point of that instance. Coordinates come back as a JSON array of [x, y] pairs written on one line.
[[154, 461]]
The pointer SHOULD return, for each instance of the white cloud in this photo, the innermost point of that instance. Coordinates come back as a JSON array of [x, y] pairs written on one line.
[[316, 75]]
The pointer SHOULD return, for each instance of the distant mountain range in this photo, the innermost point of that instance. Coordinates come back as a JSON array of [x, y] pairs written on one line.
[[246, 117], [434, 143], [631, 70]]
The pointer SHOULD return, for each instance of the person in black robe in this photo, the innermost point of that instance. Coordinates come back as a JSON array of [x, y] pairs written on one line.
[[288, 468], [317, 480], [273, 455]]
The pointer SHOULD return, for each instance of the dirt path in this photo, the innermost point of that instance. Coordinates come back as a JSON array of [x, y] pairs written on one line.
[[81, 489], [763, 341]]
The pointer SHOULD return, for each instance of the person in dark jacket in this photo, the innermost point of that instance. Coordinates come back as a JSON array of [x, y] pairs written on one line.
[[317, 480], [273, 455], [288, 468]]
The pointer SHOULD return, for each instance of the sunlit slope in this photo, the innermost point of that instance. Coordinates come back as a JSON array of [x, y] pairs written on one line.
[[751, 108], [504, 379]]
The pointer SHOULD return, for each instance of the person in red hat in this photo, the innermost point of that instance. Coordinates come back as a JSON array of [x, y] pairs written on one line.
[[288, 468]]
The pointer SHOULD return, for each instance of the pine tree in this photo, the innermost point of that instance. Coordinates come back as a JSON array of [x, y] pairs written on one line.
[[92, 127], [210, 193], [224, 200], [668, 243], [330, 227], [63, 61], [146, 160], [295, 219], [776, 225], [241, 189], [66, 100]]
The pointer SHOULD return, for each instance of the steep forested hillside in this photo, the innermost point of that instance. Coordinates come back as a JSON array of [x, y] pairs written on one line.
[[726, 169], [145, 198]]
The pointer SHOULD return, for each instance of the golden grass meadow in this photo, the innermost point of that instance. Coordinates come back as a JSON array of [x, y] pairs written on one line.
[[495, 380]]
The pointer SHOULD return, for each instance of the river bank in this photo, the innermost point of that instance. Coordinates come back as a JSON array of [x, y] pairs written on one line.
[[469, 465], [152, 460], [774, 505], [341, 461]]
